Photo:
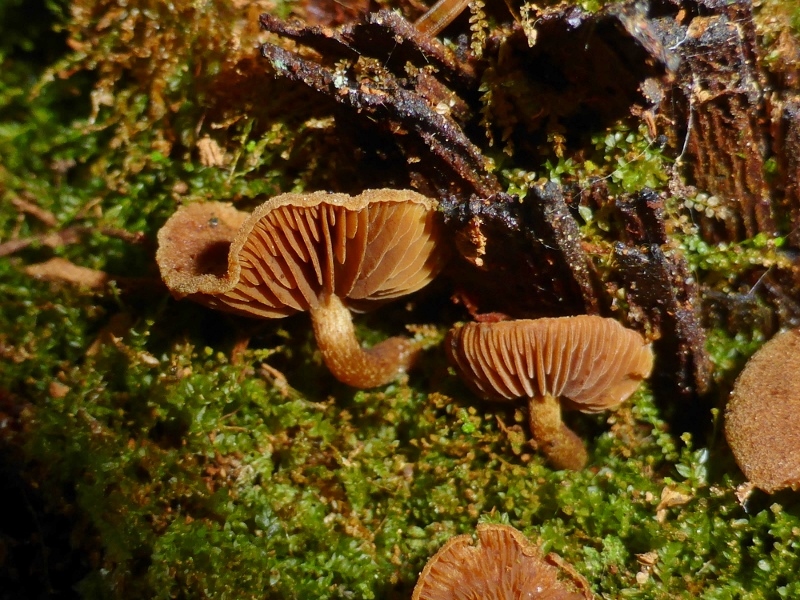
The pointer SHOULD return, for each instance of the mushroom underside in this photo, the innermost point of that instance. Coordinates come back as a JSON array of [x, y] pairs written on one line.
[[502, 565], [589, 362], [322, 253]]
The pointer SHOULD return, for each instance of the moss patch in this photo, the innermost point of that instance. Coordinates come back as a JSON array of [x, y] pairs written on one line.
[[187, 468]]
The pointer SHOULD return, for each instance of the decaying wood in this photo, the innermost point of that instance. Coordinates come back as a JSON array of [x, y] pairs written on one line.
[[662, 294], [785, 136], [690, 68], [736, 128], [572, 72], [718, 107], [526, 256], [357, 71]]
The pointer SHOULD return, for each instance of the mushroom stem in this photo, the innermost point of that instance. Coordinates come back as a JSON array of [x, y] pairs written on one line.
[[440, 15], [343, 354], [563, 448]]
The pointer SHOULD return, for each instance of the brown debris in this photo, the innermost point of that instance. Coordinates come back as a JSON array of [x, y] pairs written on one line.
[[780, 288], [670, 497], [555, 228], [530, 251], [363, 66], [211, 155], [57, 390], [785, 134], [384, 35], [662, 294], [61, 270], [661, 287], [731, 121], [732, 115], [567, 71], [117, 326], [33, 209], [276, 378], [725, 146], [70, 235]]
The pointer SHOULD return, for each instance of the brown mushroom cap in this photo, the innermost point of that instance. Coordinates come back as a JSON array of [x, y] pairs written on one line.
[[193, 247], [503, 565], [295, 249], [762, 419], [593, 362], [325, 253]]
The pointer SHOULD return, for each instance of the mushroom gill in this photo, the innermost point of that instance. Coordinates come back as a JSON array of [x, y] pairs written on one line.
[[324, 253], [762, 419], [503, 565], [592, 362]]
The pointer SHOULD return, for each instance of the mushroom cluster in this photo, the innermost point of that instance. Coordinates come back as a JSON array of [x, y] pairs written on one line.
[[762, 419], [328, 254], [503, 565], [592, 363]]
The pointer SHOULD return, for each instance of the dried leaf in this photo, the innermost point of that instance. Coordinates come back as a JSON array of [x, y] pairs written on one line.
[[45, 216], [670, 497]]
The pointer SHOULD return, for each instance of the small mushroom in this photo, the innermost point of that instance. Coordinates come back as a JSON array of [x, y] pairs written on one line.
[[503, 565], [593, 362], [324, 253], [439, 16], [762, 419]]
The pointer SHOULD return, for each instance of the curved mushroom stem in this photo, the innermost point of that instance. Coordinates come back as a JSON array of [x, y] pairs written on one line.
[[344, 356], [562, 447]]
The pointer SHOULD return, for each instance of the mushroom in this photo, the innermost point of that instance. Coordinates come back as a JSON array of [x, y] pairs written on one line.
[[593, 362], [762, 419], [503, 565], [324, 253], [439, 16]]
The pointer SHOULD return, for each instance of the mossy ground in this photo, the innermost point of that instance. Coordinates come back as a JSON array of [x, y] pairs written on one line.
[[186, 469]]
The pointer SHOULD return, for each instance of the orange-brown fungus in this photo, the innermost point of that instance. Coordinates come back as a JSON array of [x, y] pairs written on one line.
[[193, 247], [324, 253], [439, 16], [592, 362], [762, 420], [503, 565]]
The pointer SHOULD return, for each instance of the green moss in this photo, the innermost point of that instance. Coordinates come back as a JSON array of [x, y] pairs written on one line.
[[726, 270], [627, 160]]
